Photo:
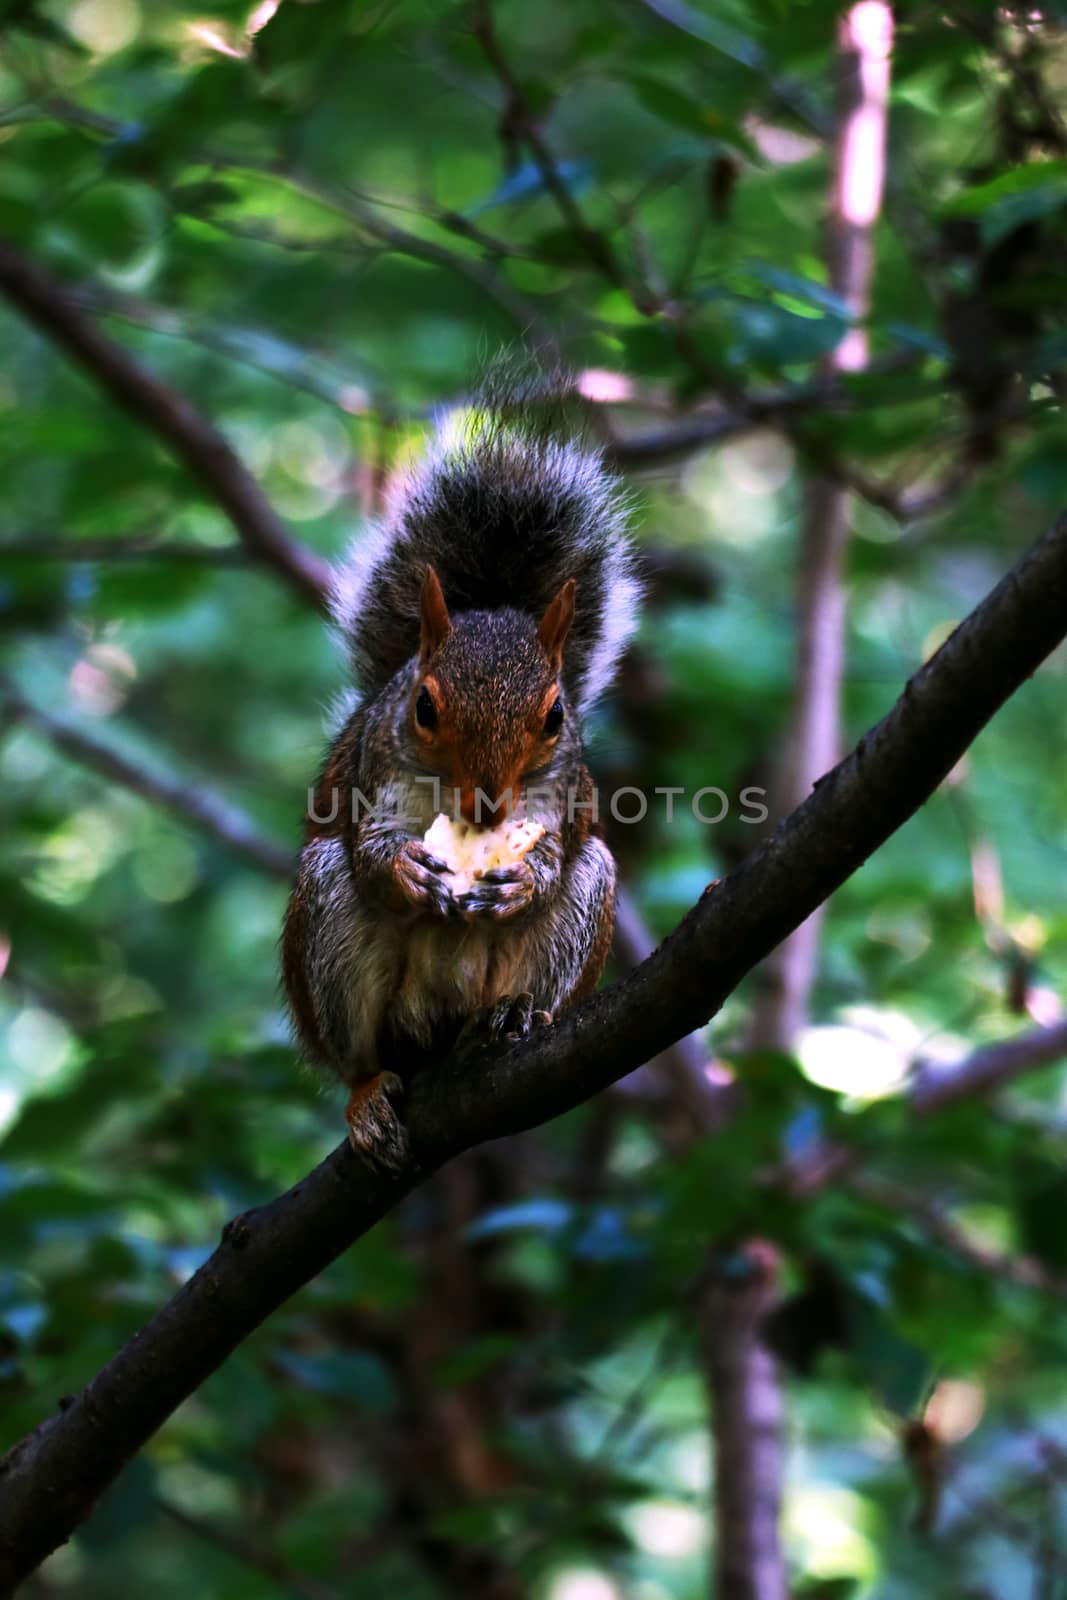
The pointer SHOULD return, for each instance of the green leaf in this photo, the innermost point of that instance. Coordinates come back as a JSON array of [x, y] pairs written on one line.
[[897, 1371], [124, 1508], [546, 1215], [1035, 178], [670, 105], [345, 1374], [1042, 1208], [1023, 194], [805, 289]]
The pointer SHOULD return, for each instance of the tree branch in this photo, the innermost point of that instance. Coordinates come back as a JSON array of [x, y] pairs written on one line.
[[73, 549], [242, 1549], [50, 1481], [43, 301], [931, 1090], [741, 1373], [356, 209], [902, 1200], [865, 35], [517, 112], [748, 1418], [988, 1068], [206, 811]]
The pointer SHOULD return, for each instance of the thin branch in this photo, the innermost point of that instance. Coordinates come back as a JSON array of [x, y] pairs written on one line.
[[73, 549], [748, 1415], [298, 368], [249, 1554], [206, 811], [492, 283], [933, 1089], [741, 1372], [44, 301], [865, 34], [783, 409], [51, 1479], [906, 503], [987, 1069], [520, 117], [353, 206], [657, 446], [1023, 1271], [350, 205]]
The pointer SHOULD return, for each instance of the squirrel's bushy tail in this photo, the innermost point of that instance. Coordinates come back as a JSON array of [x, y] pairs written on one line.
[[506, 511]]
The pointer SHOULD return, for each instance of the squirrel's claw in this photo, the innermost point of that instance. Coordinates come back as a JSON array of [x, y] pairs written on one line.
[[510, 1019], [514, 1018], [417, 881], [374, 1129], [418, 852], [519, 1019]]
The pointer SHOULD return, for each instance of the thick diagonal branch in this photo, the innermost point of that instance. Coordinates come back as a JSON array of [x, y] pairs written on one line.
[[49, 1482]]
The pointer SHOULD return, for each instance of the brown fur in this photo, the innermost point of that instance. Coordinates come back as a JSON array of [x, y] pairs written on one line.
[[503, 585], [593, 970]]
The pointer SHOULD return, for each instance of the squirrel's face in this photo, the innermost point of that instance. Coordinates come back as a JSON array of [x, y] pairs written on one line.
[[487, 711]]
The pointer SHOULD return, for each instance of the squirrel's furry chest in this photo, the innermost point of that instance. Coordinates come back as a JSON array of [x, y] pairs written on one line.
[[454, 969], [423, 976]]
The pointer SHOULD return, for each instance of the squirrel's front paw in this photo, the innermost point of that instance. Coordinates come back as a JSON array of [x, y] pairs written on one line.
[[417, 880], [374, 1129], [501, 893]]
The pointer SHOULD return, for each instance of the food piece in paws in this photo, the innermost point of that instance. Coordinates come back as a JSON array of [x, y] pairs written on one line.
[[469, 852]]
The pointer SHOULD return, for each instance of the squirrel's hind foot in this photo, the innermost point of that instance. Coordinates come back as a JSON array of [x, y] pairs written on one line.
[[375, 1131], [508, 1020]]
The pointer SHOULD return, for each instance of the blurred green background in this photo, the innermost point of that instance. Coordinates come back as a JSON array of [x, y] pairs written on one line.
[[315, 221]]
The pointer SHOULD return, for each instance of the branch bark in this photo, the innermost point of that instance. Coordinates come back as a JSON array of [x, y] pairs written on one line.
[[748, 1416], [988, 1068], [680, 437], [901, 1200], [50, 1481], [42, 300], [933, 1089]]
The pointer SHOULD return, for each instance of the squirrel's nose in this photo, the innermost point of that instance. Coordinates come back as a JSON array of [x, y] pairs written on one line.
[[486, 805]]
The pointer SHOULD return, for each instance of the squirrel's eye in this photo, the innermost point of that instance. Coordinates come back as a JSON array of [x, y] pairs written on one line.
[[425, 710], [554, 720]]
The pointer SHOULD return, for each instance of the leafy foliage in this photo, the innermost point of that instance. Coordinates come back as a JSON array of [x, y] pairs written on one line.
[[314, 221]]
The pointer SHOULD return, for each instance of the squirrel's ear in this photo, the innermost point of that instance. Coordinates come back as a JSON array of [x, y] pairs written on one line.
[[434, 623], [555, 625]]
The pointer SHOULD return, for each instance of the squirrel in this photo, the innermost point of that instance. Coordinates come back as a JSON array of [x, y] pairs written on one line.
[[484, 615]]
